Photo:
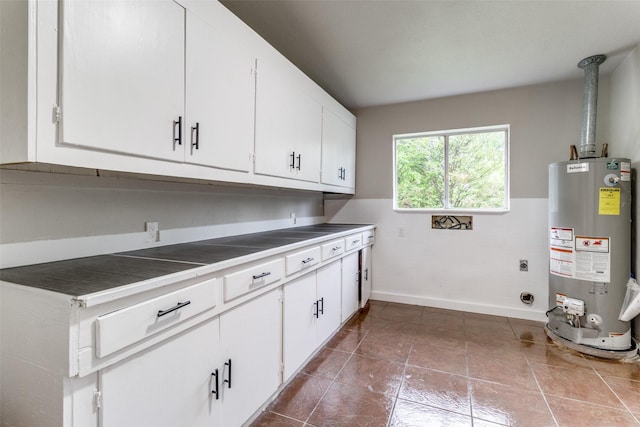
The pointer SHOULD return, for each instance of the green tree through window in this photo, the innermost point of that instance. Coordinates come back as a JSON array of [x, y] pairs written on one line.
[[458, 170]]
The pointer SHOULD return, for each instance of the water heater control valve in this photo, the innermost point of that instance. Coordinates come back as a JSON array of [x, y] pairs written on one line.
[[573, 306]]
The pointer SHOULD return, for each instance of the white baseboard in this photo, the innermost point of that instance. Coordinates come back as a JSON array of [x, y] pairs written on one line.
[[36, 252], [472, 307]]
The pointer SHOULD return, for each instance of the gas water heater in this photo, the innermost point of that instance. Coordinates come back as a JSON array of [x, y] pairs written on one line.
[[590, 241]]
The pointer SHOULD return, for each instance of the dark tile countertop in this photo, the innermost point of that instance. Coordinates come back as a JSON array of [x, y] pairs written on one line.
[[82, 276]]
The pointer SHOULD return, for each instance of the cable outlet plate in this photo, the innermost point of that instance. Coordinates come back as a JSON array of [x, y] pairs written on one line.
[[153, 232]]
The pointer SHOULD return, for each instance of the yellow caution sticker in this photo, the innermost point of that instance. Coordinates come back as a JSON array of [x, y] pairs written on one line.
[[609, 202]]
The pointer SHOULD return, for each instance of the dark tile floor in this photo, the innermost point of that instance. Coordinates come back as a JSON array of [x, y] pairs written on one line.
[[403, 365]]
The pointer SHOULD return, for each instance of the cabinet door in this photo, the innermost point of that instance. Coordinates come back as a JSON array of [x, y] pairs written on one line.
[[350, 279], [122, 76], [220, 91], [338, 151], [250, 338], [288, 121], [300, 315], [329, 296], [365, 267], [167, 385]]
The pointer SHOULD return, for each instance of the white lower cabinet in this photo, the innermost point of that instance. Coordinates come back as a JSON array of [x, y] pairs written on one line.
[[311, 314], [217, 373], [350, 284], [365, 271], [168, 385], [174, 357], [252, 350], [328, 286]]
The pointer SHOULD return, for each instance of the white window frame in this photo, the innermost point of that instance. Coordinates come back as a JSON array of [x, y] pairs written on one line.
[[446, 134]]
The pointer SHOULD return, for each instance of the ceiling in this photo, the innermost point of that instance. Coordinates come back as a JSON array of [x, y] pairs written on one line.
[[375, 52]]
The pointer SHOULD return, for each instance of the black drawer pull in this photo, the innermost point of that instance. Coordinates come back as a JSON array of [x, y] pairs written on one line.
[[177, 139], [228, 380], [308, 260], [321, 309], [292, 165], [261, 275], [174, 308], [299, 157], [195, 142], [215, 390], [316, 309], [337, 248]]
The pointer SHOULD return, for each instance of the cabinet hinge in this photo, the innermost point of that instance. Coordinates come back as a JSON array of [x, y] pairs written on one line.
[[97, 399], [56, 113]]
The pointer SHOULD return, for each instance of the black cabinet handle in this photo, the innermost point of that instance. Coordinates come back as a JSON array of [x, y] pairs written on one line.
[[321, 309], [215, 390], [307, 261], [195, 142], [337, 248], [292, 165], [178, 125], [366, 274], [261, 275], [342, 173], [174, 308], [299, 161], [316, 310], [228, 380]]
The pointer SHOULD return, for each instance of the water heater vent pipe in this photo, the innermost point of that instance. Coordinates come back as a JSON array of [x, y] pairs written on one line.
[[588, 142]]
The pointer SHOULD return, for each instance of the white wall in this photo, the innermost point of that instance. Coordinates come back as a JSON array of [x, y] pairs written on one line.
[[51, 216], [625, 124], [625, 137], [474, 270]]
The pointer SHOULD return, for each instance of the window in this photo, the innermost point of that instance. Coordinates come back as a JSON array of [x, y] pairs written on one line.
[[461, 170]]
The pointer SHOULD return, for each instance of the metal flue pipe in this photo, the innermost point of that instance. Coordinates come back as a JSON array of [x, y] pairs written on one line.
[[589, 111]]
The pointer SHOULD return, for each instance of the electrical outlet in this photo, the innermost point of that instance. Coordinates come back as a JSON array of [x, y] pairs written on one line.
[[524, 265], [402, 232], [153, 232]]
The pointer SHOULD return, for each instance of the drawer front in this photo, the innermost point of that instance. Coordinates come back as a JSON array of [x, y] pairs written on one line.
[[302, 260], [252, 278], [332, 249], [354, 241], [126, 326], [368, 237]]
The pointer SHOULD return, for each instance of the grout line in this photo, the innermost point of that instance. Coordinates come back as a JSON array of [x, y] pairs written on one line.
[[616, 395], [544, 396], [402, 378], [466, 361], [333, 381]]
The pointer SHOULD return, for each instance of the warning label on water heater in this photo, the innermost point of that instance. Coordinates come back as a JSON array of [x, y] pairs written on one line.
[[579, 257], [609, 201]]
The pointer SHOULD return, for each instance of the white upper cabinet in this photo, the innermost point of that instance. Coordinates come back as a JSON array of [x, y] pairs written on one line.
[[288, 120], [338, 150], [122, 77], [220, 90], [180, 89]]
